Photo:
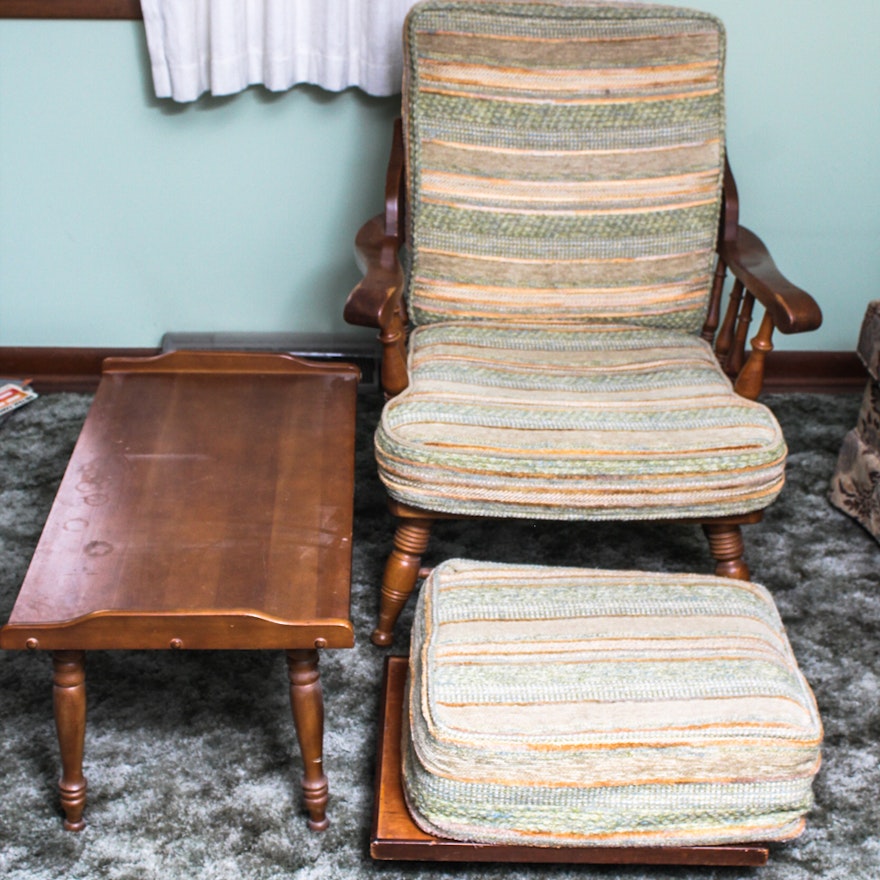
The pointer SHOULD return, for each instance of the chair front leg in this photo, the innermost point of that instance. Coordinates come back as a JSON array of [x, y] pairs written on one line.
[[727, 548], [401, 572]]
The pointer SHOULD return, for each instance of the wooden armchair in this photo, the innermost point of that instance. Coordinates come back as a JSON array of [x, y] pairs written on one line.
[[560, 191]]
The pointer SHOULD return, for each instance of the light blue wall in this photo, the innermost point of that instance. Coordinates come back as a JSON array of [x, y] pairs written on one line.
[[122, 217]]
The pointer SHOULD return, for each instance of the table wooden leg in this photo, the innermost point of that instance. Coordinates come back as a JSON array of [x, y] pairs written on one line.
[[307, 702], [69, 698]]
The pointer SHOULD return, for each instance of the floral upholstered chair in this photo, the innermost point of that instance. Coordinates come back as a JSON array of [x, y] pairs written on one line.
[[547, 278]]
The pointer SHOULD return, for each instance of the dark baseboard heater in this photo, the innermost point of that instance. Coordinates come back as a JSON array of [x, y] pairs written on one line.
[[366, 354]]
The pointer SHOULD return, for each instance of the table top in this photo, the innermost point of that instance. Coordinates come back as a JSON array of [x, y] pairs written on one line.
[[208, 504]]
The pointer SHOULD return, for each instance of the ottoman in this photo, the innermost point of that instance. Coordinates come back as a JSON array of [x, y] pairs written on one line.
[[566, 707]]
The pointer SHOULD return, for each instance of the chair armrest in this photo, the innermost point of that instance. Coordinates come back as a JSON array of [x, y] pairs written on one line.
[[791, 309], [376, 299]]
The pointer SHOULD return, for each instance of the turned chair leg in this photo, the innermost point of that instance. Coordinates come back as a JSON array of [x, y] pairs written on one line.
[[727, 548], [69, 699], [401, 573]]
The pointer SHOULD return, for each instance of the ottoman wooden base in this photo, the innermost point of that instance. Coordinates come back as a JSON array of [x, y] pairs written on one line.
[[395, 836]]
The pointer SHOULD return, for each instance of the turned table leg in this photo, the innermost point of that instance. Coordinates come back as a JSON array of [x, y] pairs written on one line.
[[69, 698], [307, 702]]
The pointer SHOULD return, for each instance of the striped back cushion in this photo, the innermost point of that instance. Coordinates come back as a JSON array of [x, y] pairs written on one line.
[[565, 161]]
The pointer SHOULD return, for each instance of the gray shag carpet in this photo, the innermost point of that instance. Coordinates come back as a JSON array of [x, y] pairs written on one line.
[[191, 758]]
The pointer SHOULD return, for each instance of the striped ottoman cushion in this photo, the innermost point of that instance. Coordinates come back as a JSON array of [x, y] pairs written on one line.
[[571, 422], [577, 707], [565, 161]]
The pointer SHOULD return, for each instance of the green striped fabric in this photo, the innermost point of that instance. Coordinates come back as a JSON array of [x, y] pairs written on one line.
[[578, 707], [556, 422], [565, 161]]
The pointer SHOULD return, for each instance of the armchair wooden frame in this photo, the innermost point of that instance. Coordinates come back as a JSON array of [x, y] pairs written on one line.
[[377, 301]]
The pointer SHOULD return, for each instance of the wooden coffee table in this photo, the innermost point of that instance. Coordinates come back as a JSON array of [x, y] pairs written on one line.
[[207, 505]]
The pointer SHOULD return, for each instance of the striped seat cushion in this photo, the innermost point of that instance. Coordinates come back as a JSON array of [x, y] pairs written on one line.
[[558, 706], [565, 161], [609, 422]]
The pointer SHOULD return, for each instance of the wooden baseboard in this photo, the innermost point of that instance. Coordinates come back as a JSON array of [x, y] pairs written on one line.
[[823, 372], [78, 369], [62, 369]]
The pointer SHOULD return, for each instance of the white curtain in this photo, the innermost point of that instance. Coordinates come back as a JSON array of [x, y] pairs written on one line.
[[223, 46]]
